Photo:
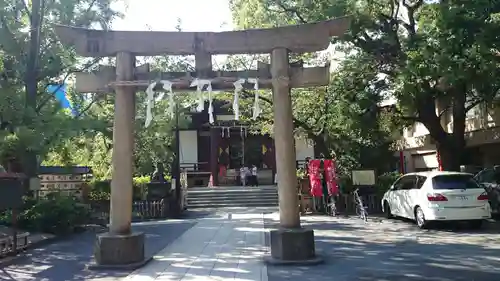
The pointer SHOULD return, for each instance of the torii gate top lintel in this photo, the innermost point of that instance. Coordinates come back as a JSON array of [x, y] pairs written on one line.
[[303, 38]]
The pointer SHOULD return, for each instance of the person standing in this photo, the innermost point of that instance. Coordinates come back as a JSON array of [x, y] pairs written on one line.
[[248, 175], [255, 179], [243, 176]]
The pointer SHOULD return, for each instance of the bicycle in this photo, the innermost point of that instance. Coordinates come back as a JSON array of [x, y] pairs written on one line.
[[360, 207], [332, 206]]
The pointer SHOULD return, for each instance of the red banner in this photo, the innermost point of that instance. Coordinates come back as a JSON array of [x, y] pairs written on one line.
[[331, 177], [315, 178]]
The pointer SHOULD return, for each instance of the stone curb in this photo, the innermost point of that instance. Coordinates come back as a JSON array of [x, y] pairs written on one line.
[[124, 267], [314, 261]]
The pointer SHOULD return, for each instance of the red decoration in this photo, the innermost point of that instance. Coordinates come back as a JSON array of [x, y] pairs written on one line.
[[440, 164], [315, 178], [331, 177], [222, 170], [402, 163]]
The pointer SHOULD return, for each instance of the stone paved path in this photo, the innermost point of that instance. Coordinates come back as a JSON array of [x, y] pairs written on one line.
[[227, 247]]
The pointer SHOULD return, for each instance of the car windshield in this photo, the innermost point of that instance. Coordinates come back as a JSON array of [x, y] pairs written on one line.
[[454, 182], [489, 176]]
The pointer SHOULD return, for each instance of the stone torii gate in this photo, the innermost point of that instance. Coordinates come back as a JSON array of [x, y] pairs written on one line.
[[120, 246]]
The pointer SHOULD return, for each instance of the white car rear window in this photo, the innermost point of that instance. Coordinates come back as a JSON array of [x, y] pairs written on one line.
[[454, 182]]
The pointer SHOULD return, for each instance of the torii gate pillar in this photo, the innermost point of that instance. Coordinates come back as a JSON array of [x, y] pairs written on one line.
[[290, 243], [120, 246]]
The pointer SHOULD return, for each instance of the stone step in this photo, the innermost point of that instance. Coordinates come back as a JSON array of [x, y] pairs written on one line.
[[264, 191], [215, 191], [222, 205], [233, 200], [233, 189], [229, 197], [267, 195], [232, 196]]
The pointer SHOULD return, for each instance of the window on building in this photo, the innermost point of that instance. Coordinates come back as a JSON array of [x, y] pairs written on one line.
[[474, 112]]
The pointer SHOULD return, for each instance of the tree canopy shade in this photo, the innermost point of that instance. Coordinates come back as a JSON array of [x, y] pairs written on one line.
[[437, 57], [33, 125], [342, 119]]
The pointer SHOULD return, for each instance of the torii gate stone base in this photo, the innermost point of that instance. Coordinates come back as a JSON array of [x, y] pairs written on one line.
[[121, 247]]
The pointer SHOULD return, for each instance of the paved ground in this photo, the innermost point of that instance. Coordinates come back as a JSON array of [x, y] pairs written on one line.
[[66, 260], [395, 250], [229, 245], [224, 247]]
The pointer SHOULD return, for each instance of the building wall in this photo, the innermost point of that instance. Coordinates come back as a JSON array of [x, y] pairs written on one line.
[[188, 146], [225, 117], [303, 149], [482, 139], [189, 153]]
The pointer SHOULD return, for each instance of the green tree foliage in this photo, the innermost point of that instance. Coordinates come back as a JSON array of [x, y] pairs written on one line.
[[55, 214], [429, 51], [343, 119], [50, 132], [32, 121]]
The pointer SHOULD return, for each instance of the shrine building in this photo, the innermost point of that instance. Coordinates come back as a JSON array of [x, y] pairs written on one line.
[[220, 149]]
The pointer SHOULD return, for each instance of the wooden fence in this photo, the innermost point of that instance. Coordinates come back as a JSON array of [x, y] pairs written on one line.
[[346, 204], [141, 210], [7, 245]]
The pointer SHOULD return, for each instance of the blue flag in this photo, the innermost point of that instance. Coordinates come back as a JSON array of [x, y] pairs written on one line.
[[59, 92]]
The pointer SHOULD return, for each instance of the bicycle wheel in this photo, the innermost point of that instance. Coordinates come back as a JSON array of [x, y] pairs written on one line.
[[333, 210], [365, 215], [362, 214]]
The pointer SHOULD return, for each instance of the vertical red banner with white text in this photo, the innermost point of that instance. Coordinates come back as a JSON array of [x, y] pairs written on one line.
[[315, 178], [331, 177]]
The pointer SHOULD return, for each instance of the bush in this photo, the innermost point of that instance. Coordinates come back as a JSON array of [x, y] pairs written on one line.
[[141, 187], [385, 181], [55, 214], [101, 190]]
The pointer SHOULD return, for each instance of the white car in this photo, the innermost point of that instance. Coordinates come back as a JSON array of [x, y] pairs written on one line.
[[437, 196]]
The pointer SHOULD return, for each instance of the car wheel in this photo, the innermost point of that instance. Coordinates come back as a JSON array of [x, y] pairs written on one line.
[[420, 218], [387, 210], [476, 224]]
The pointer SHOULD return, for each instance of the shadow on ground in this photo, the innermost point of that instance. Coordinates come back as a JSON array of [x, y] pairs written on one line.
[[395, 251], [67, 260]]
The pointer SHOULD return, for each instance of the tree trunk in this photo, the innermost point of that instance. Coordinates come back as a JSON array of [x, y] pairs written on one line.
[[31, 82], [450, 156], [450, 146], [320, 147]]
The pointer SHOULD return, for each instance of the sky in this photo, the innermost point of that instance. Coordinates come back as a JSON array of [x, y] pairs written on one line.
[[163, 15]]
